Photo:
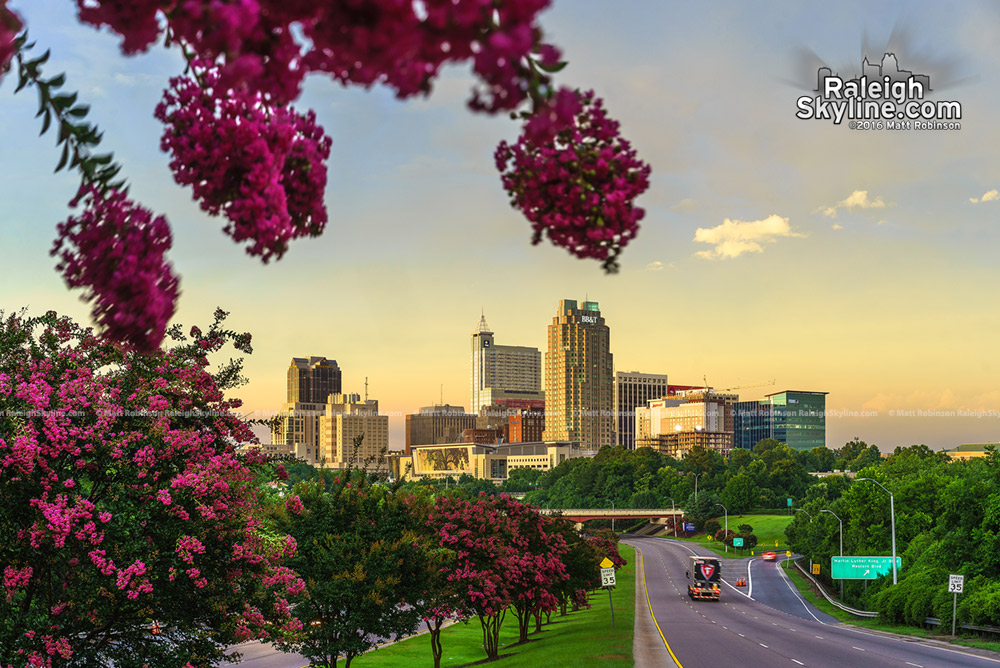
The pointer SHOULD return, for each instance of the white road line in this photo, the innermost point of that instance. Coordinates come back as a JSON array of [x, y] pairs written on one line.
[[820, 637], [802, 664], [857, 648], [741, 635], [914, 664], [794, 591], [762, 645]]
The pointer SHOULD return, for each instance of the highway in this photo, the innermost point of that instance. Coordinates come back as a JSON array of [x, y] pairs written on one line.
[[741, 631]]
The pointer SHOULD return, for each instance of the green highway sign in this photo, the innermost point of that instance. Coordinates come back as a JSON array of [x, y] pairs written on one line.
[[737, 542], [789, 502], [862, 568]]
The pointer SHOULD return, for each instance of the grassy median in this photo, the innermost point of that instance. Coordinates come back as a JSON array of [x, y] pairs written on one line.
[[585, 635], [769, 529]]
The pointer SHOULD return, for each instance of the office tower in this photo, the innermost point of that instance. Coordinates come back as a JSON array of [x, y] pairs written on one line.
[[579, 380], [794, 417], [345, 417], [633, 389], [502, 372], [437, 424], [311, 380]]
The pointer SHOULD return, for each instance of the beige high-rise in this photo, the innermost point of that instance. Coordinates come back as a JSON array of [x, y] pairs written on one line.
[[579, 377]]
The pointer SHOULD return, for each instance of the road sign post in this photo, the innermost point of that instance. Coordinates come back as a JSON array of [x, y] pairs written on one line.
[[955, 585], [608, 582]]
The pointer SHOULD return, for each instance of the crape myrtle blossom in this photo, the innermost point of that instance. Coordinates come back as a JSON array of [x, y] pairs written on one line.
[[115, 249], [261, 166], [115, 516], [10, 27], [576, 178]]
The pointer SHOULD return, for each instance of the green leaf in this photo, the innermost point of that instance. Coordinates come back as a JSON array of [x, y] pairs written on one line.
[[64, 158], [57, 81], [552, 69], [104, 159], [62, 102], [46, 122], [79, 111]]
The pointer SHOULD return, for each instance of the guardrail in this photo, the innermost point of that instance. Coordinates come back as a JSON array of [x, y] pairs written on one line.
[[929, 621]]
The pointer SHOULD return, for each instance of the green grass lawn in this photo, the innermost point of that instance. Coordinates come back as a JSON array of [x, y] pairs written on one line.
[[584, 637], [808, 591], [769, 529]]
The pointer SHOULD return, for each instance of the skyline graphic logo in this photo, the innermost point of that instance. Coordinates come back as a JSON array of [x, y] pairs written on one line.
[[882, 97]]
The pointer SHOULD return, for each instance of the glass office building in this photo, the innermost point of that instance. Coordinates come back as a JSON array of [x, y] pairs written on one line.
[[794, 417]]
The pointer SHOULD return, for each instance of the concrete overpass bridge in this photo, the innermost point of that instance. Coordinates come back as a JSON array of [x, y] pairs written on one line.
[[581, 515]]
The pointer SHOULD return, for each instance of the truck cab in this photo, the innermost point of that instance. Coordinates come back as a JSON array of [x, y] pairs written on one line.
[[703, 576]]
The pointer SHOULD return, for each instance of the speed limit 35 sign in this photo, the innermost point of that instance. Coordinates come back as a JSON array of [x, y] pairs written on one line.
[[955, 584]]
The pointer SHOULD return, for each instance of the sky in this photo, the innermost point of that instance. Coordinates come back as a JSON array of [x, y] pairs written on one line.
[[774, 248]]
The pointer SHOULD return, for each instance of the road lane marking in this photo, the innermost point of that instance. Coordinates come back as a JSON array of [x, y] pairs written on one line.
[[791, 588], [802, 664], [741, 635], [762, 645], [650, 604], [914, 664], [857, 648]]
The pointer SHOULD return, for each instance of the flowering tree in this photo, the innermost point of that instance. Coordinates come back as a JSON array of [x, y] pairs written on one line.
[[534, 564], [248, 156], [125, 505], [480, 537], [363, 562]]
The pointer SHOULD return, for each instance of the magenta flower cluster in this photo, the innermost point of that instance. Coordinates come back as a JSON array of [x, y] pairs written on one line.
[[576, 178], [115, 250], [10, 27], [261, 166], [400, 43]]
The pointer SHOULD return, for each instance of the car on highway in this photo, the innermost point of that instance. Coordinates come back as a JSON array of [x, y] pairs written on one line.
[[770, 556]]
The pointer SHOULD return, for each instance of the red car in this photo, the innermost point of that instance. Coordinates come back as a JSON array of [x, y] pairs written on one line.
[[770, 556]]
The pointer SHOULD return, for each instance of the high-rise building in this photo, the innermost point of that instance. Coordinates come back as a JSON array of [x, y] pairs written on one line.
[[674, 426], [634, 389], [312, 379], [437, 424], [503, 372], [799, 418], [579, 380], [345, 418], [794, 417]]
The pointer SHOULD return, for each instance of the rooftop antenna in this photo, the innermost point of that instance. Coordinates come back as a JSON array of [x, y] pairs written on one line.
[[366, 389]]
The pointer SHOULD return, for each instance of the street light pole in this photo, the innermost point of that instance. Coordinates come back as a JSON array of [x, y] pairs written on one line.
[[612, 517], [727, 526], [892, 518], [841, 544], [673, 515]]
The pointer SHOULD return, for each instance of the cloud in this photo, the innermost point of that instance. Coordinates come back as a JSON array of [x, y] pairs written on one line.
[[655, 266], [734, 237], [687, 204], [856, 200], [838, 226], [989, 196]]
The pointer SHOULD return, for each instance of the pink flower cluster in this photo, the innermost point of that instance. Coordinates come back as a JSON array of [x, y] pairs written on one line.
[[400, 43], [261, 166], [575, 178], [116, 250], [10, 28]]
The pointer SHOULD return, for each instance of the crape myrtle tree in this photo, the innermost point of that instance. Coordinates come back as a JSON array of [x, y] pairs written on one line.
[[362, 557], [124, 503], [480, 536], [253, 160]]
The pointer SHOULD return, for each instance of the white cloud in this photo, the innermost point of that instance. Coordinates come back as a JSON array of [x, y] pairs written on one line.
[[655, 266], [989, 196], [838, 226], [856, 200], [734, 237]]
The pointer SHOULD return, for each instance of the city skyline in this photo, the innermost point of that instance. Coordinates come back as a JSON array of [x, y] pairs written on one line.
[[861, 264]]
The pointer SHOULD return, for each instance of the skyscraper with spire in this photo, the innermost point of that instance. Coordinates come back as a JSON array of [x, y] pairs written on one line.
[[579, 378], [503, 373]]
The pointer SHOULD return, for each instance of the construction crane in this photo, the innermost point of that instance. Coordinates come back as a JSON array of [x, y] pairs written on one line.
[[746, 387]]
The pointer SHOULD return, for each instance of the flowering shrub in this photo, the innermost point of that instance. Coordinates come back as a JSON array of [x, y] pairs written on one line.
[[124, 501], [575, 178], [10, 26]]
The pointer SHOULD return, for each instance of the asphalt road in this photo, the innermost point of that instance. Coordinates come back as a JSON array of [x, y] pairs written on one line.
[[741, 631]]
